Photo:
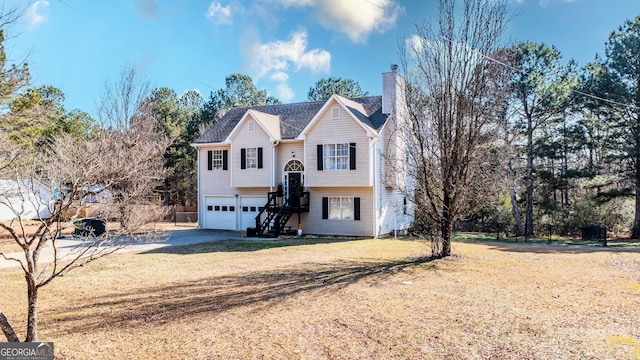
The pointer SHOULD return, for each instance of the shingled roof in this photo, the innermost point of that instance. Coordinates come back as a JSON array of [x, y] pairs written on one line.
[[295, 117]]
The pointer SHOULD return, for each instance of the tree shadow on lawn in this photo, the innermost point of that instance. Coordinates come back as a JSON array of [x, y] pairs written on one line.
[[215, 295], [246, 245], [555, 248]]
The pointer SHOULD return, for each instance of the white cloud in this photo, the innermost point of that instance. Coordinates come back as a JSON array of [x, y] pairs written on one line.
[[32, 14], [415, 45], [279, 55], [544, 3], [355, 18], [219, 14], [285, 93], [298, 3], [279, 76], [275, 59]]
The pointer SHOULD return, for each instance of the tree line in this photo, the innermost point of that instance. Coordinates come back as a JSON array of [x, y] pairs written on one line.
[[40, 116], [511, 134]]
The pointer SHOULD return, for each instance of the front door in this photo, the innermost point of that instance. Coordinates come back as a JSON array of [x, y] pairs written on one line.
[[295, 179]]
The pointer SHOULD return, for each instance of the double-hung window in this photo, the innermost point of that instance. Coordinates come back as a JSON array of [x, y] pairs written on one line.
[[217, 159], [252, 158], [336, 156], [341, 208]]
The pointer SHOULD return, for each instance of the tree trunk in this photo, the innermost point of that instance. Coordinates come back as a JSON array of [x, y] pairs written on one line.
[[191, 189], [8, 331], [445, 232], [446, 226], [32, 314], [166, 192], [528, 226], [565, 167], [635, 231]]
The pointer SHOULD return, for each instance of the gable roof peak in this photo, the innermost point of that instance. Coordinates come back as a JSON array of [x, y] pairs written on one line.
[[294, 117]]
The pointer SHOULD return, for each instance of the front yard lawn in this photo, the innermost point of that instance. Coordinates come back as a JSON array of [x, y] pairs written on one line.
[[343, 299]]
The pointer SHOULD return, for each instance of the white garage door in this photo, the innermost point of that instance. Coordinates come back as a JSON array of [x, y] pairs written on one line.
[[220, 212], [249, 209]]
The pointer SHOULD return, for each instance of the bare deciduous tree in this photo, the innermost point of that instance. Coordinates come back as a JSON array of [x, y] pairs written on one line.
[[120, 166], [455, 95], [123, 98]]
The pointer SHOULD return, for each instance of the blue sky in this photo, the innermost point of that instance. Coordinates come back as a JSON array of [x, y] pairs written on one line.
[[284, 45]]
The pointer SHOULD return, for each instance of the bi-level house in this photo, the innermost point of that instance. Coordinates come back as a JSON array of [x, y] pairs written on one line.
[[339, 166]]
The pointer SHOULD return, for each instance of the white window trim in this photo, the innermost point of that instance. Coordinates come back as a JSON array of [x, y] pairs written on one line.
[[251, 126], [350, 211], [251, 161], [333, 165], [217, 160]]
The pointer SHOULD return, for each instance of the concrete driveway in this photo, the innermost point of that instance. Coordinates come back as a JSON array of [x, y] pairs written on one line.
[[174, 238], [191, 236]]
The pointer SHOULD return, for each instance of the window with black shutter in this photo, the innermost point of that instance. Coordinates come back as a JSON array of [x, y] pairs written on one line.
[[352, 156], [251, 158], [325, 207], [356, 208], [320, 157], [337, 156]]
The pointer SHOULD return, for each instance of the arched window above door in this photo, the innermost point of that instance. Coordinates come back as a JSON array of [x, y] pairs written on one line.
[[294, 166]]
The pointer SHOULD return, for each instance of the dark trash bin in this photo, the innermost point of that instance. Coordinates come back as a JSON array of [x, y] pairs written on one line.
[[594, 232], [252, 232], [86, 227]]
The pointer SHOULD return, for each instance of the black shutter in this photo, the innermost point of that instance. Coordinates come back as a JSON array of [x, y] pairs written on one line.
[[225, 159], [356, 208], [243, 158], [325, 207], [352, 156], [320, 155], [259, 158], [209, 160]]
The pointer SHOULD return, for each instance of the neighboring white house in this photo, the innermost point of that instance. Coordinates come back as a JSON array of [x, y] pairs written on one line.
[[24, 199], [338, 151]]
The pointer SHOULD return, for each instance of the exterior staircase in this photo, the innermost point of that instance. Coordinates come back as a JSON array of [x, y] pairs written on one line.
[[272, 219]]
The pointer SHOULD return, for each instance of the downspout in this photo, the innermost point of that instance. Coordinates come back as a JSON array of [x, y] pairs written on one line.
[[272, 168], [374, 153], [200, 199]]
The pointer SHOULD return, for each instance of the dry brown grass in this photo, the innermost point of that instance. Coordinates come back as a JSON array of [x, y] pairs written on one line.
[[362, 299]]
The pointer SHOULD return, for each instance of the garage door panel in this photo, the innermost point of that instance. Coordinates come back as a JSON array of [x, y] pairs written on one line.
[[220, 213], [249, 209]]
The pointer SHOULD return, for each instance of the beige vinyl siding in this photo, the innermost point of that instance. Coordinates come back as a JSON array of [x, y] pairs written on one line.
[[216, 181], [253, 192], [245, 139], [314, 224], [343, 130]]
